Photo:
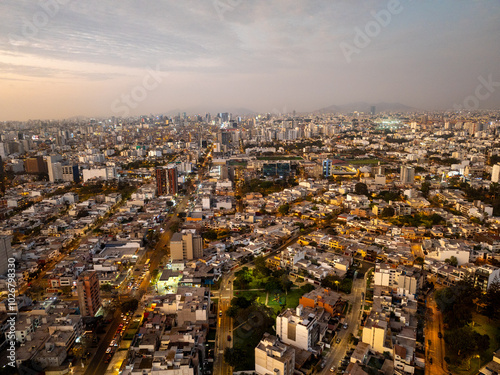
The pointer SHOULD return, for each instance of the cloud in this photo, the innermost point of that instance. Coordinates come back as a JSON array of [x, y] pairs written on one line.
[[287, 48]]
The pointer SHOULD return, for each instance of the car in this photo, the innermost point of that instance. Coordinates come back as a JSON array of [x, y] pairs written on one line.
[[108, 350], [430, 360], [346, 325], [440, 335], [228, 337], [323, 364], [220, 313], [332, 369], [338, 340]]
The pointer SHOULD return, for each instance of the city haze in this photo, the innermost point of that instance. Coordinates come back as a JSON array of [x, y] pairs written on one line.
[[61, 59]]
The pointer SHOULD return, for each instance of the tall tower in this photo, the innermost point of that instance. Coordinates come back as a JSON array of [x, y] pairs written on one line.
[[327, 168], [495, 173], [172, 179], [89, 296], [161, 181], [167, 180], [407, 175]]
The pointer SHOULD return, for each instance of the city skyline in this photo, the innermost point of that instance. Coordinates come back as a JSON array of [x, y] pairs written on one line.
[[63, 59]]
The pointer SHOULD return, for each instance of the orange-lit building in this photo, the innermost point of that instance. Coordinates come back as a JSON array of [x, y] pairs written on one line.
[[89, 297], [329, 300]]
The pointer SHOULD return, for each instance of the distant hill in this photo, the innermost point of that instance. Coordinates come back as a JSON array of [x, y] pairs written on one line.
[[365, 107]]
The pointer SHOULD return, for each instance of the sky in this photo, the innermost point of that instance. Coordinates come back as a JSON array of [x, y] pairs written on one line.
[[99, 58]]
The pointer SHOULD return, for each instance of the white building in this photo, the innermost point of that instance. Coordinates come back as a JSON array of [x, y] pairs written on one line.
[[299, 327], [495, 173], [104, 173]]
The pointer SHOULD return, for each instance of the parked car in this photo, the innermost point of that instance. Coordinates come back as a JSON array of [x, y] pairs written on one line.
[[440, 335], [228, 337]]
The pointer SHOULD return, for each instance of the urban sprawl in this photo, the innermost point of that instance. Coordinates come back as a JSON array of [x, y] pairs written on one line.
[[357, 243]]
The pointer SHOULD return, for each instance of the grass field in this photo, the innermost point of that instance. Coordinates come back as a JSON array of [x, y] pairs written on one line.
[[363, 161], [290, 300]]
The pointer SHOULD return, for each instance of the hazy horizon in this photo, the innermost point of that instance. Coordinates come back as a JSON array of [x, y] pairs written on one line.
[[63, 58]]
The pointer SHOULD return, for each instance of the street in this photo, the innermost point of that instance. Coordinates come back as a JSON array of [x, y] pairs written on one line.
[[97, 366], [435, 349], [224, 327], [337, 351]]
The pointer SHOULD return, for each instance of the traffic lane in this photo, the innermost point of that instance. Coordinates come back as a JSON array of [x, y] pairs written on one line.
[[352, 319], [97, 365], [436, 349], [337, 351]]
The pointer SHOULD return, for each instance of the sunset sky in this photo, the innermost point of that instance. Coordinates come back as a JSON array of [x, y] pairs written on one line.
[[64, 58]]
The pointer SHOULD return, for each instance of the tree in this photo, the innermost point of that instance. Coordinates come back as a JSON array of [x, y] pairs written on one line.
[[388, 212], [285, 283], [361, 189], [425, 188], [107, 288], [457, 303], [464, 342], [261, 267], [419, 261], [130, 305], [492, 300], [452, 261], [234, 356], [306, 288], [330, 282], [284, 209], [210, 235], [154, 273], [241, 302]]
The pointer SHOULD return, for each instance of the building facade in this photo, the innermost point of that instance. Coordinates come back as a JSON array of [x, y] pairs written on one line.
[[89, 297], [167, 181], [186, 246], [274, 357]]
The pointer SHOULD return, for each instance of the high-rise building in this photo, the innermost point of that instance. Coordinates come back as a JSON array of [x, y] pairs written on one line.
[[35, 165], [70, 173], [89, 297], [6, 252], [54, 167], [495, 173], [372, 110], [327, 168], [186, 246], [407, 175], [167, 180]]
